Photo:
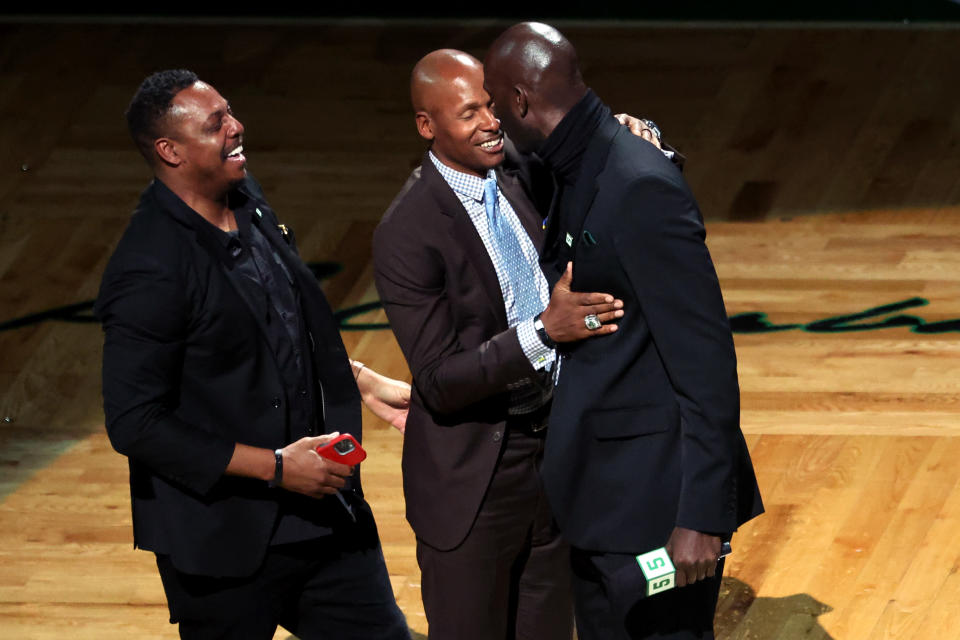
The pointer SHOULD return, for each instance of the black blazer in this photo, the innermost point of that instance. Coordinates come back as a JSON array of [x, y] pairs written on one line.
[[442, 297], [188, 372], [644, 431]]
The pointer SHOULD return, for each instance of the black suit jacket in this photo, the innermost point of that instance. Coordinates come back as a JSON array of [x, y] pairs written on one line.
[[644, 431], [442, 297], [188, 372]]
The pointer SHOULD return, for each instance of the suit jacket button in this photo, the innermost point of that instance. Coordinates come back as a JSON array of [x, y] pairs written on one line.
[[496, 436], [276, 403]]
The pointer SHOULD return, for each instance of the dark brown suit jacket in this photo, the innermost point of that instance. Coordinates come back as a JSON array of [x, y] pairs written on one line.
[[444, 303]]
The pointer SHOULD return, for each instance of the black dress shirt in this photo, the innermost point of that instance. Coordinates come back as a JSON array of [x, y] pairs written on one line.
[[260, 272]]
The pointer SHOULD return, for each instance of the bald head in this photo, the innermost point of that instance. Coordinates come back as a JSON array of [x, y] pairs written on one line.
[[434, 74], [533, 74], [454, 112]]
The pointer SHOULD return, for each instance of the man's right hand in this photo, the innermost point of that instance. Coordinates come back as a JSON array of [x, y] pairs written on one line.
[[639, 128], [306, 471], [563, 319]]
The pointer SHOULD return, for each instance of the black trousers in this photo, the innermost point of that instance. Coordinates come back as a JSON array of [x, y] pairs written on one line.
[[609, 604], [335, 588], [510, 578]]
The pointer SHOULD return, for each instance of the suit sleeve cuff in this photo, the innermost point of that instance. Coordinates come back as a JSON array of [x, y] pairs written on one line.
[[540, 356]]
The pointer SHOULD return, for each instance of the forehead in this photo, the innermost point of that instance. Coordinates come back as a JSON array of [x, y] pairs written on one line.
[[461, 90], [197, 101]]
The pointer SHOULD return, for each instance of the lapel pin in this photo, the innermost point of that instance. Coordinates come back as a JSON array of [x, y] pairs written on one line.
[[258, 212], [569, 240], [283, 228]]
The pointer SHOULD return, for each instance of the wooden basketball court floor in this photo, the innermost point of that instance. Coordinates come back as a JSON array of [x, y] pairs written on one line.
[[826, 160]]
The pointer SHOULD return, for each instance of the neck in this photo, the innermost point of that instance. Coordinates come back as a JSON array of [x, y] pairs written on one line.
[[480, 173], [551, 121], [563, 149], [561, 104]]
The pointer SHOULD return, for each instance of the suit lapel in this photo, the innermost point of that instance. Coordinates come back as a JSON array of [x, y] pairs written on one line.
[[465, 235], [549, 252], [585, 189], [529, 217]]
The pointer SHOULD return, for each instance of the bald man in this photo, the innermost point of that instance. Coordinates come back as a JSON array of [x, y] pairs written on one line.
[[456, 266], [644, 446]]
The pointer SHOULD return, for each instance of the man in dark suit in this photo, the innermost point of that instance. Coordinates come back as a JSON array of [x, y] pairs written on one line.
[[644, 446], [493, 566], [223, 371]]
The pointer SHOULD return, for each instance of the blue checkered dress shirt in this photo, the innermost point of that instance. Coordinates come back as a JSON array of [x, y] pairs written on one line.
[[525, 395]]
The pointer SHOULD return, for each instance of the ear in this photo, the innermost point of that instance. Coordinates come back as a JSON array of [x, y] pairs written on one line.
[[424, 125], [167, 151], [521, 102]]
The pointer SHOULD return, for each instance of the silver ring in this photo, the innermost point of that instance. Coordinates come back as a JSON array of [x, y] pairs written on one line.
[[592, 322]]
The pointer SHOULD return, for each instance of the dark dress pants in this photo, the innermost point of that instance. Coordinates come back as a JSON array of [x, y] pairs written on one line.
[[608, 591], [510, 578], [335, 588]]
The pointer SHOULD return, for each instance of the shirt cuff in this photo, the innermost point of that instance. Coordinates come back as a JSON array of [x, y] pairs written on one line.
[[539, 355]]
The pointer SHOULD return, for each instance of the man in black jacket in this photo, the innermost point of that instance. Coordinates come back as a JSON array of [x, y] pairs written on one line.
[[644, 446], [223, 371]]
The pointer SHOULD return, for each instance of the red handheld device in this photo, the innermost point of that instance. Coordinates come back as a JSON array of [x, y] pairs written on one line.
[[343, 449]]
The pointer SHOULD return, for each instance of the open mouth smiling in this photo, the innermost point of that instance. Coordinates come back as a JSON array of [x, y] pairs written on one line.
[[236, 154], [493, 145]]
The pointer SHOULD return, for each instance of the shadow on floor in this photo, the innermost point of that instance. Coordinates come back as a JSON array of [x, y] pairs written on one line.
[[741, 615]]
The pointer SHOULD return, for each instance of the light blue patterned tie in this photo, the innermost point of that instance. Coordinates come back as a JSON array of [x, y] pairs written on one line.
[[520, 273]]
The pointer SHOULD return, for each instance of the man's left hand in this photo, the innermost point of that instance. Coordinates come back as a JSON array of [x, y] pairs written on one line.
[[695, 555], [387, 398]]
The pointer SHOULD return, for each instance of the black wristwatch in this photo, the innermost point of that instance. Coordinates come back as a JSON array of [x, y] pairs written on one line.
[[542, 333], [277, 469]]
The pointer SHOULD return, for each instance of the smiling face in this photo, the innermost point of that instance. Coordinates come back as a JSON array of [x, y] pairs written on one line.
[[204, 141], [458, 118]]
